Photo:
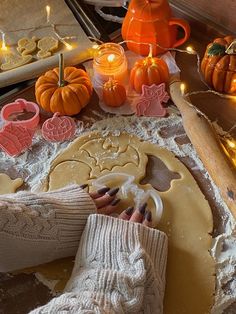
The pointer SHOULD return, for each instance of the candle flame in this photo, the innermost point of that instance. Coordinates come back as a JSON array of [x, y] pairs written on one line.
[[150, 51], [182, 88], [111, 58]]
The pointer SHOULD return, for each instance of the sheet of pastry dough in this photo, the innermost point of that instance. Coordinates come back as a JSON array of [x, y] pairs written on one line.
[[187, 218]]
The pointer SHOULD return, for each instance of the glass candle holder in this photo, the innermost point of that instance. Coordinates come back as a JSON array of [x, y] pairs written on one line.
[[109, 62]]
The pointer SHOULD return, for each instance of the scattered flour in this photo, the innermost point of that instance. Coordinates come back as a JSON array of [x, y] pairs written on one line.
[[38, 160]]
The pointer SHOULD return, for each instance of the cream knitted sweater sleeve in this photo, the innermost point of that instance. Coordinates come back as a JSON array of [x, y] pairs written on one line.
[[119, 268], [39, 228]]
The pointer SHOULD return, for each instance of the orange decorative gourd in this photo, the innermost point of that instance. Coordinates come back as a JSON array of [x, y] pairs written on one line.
[[66, 91], [114, 94], [151, 21], [148, 71], [219, 65]]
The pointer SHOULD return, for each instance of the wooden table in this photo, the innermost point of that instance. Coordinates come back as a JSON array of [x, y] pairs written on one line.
[[22, 293]]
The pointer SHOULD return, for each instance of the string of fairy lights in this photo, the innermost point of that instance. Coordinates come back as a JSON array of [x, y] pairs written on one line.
[[229, 143]]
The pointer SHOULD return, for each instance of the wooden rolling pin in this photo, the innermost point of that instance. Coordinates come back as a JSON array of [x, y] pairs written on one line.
[[205, 141]]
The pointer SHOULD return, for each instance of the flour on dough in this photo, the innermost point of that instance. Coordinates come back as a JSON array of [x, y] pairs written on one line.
[[7, 185], [187, 217]]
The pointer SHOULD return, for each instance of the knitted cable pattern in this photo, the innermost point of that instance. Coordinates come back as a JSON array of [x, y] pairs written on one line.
[[38, 228], [119, 268]]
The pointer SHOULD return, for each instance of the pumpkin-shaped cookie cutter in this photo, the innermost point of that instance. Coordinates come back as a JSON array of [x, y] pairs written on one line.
[[128, 186]]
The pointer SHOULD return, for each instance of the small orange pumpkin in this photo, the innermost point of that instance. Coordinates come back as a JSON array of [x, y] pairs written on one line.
[[219, 65], [148, 71], [114, 94], [67, 94]]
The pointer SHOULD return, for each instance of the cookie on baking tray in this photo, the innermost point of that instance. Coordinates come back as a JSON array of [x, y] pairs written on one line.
[[26, 45], [46, 45], [13, 61]]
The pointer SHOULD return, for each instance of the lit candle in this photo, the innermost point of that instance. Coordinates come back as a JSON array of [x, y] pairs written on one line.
[[48, 9], [109, 62]]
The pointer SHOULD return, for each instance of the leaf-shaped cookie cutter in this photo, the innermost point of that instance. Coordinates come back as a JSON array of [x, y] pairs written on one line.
[[128, 186]]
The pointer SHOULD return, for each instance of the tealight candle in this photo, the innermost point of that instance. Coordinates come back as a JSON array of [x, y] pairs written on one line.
[[109, 62]]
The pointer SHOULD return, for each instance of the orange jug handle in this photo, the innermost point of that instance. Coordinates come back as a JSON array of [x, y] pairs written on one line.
[[184, 24]]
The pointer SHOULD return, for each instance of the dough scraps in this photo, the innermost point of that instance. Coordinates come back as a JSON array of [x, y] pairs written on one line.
[[187, 217], [7, 185]]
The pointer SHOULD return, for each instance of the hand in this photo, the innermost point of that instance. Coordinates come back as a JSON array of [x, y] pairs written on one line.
[[107, 203]]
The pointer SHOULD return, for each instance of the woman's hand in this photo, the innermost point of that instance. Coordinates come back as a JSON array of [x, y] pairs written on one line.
[[107, 203]]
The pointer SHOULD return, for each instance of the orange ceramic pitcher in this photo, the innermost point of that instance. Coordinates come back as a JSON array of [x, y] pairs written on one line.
[[151, 21]]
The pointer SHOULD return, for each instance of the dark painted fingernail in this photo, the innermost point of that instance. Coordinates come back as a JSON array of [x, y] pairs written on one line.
[[83, 186], [103, 190], [129, 211], [113, 192], [148, 216], [115, 202], [142, 208]]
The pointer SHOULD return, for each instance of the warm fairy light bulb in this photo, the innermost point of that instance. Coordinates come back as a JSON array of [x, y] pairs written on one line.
[[68, 46], [48, 9], [182, 88], [111, 58], [4, 46], [95, 46], [190, 50], [231, 144]]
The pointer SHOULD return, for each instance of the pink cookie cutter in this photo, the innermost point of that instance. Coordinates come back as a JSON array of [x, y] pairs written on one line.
[[58, 128], [149, 104], [14, 139], [21, 105]]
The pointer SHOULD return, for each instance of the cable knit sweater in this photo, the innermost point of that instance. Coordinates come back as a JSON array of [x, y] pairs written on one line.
[[119, 267], [39, 228]]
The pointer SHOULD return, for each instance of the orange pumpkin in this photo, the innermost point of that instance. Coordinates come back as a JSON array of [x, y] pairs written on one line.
[[114, 94], [148, 71], [219, 65], [68, 98]]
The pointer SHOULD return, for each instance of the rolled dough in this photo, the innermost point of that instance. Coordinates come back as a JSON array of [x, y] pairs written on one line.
[[187, 218], [7, 185]]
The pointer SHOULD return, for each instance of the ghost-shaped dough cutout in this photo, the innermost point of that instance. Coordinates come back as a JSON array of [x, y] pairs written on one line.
[[26, 45], [7, 185], [46, 45], [14, 61]]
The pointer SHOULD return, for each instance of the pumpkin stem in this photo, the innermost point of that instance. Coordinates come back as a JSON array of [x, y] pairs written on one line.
[[61, 82]]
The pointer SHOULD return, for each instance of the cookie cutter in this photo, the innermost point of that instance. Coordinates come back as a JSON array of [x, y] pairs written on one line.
[[128, 186], [16, 136], [20, 105]]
